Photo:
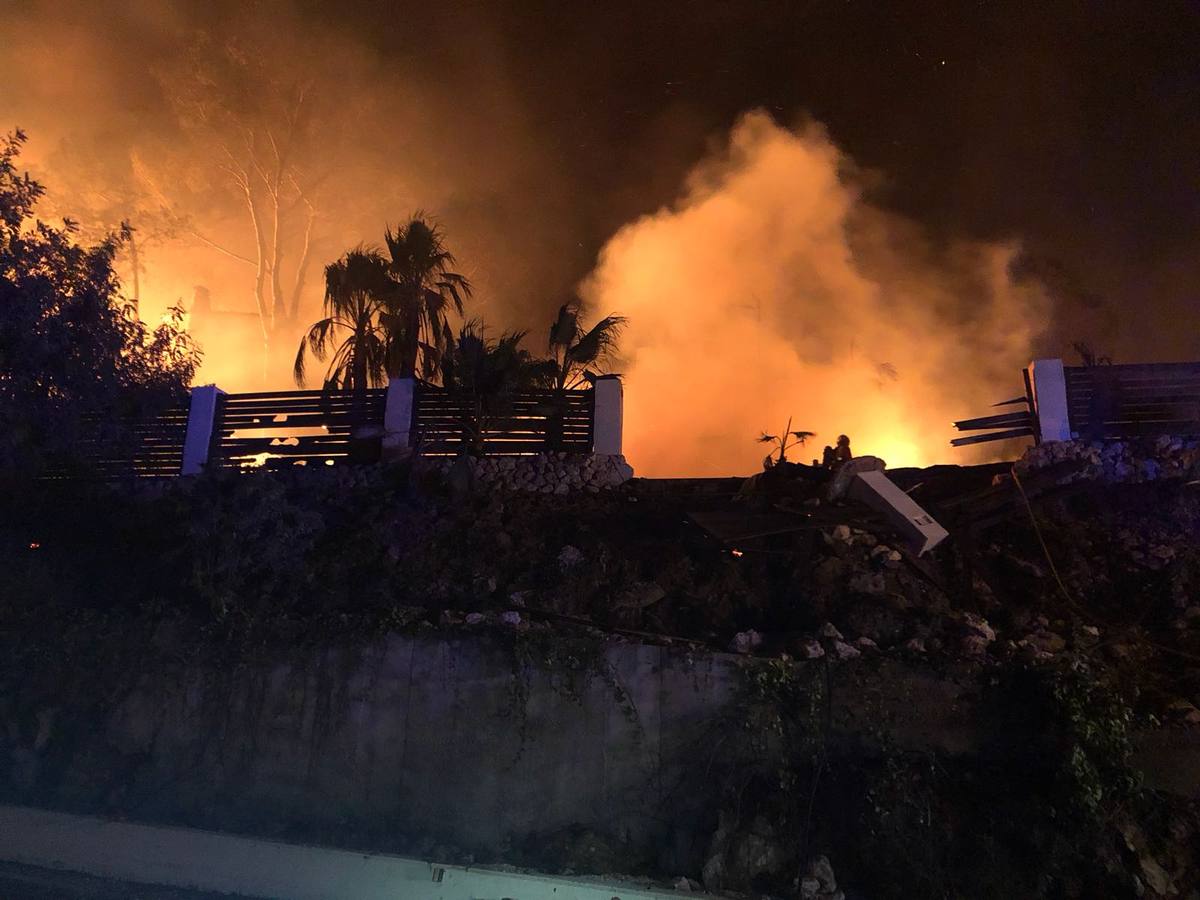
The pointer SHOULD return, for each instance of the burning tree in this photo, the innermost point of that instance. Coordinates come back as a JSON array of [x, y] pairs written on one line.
[[261, 130]]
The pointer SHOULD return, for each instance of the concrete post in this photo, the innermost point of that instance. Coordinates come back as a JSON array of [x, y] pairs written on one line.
[[202, 411], [609, 412], [1050, 399], [398, 416]]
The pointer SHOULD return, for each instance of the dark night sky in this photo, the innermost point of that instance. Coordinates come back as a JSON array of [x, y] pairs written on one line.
[[1073, 126]]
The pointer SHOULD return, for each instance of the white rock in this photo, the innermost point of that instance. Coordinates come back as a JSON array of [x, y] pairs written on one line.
[[746, 641], [811, 649], [829, 630], [569, 556], [842, 650]]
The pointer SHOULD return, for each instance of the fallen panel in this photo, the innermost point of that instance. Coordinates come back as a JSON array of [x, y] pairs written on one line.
[[915, 525]]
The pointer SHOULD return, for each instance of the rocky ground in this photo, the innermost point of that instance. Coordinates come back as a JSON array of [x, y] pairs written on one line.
[[1069, 589]]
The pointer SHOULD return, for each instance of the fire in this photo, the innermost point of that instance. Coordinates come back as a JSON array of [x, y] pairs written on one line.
[[774, 289]]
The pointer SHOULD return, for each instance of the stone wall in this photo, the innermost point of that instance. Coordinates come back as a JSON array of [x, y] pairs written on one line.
[[1117, 462], [546, 473]]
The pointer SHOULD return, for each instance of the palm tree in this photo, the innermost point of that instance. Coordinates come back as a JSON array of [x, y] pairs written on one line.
[[486, 376], [352, 334], [424, 289], [573, 349]]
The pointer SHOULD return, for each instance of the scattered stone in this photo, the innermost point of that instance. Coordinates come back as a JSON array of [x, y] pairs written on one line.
[[474, 618], [842, 650], [811, 649], [569, 557], [830, 632], [866, 645], [810, 888], [746, 641], [978, 625], [821, 869], [511, 618], [915, 645]]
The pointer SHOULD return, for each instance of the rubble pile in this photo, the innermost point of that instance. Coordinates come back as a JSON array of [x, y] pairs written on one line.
[[1117, 462], [546, 473]]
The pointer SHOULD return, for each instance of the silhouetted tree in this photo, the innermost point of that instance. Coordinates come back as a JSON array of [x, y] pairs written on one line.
[[71, 346], [425, 290], [574, 349], [353, 334], [487, 376]]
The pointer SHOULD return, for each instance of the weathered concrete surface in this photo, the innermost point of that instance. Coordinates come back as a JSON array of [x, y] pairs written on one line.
[[200, 860], [445, 737]]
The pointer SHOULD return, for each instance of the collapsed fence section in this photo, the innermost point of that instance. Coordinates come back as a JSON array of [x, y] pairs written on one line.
[[1098, 402]]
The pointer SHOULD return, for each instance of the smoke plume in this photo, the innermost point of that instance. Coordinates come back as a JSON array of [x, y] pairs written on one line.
[[774, 288]]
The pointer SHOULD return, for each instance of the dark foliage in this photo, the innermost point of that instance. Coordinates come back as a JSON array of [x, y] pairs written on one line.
[[74, 357]]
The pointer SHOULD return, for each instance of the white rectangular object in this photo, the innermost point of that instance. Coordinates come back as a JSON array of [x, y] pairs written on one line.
[[202, 411], [1049, 381], [398, 413], [609, 415], [920, 530]]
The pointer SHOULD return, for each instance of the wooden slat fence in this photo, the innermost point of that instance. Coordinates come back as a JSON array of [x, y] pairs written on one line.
[[535, 421], [284, 428], [1132, 400], [148, 446]]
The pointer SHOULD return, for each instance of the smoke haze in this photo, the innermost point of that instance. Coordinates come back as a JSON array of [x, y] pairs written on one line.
[[1024, 179], [774, 290]]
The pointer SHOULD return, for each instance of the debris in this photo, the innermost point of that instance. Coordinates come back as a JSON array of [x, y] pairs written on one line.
[[842, 650], [830, 632], [746, 641], [811, 649], [569, 557]]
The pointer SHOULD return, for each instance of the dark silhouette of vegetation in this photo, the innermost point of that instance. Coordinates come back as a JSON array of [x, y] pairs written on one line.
[[783, 442], [354, 316], [487, 376], [426, 289], [1088, 356], [386, 314], [574, 348], [72, 348]]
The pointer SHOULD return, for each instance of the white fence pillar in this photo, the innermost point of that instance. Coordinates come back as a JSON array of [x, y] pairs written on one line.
[[397, 416], [1049, 383], [609, 412], [202, 411]]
